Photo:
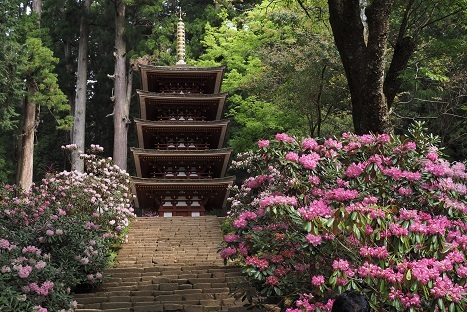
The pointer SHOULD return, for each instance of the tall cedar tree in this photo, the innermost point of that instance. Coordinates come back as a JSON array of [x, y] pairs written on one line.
[[122, 89], [26, 145], [79, 125]]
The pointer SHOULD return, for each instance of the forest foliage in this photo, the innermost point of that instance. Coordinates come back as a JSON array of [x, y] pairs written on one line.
[[283, 71]]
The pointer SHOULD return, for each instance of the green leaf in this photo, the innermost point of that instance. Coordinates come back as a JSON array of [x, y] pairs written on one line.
[[452, 307], [441, 304], [329, 222]]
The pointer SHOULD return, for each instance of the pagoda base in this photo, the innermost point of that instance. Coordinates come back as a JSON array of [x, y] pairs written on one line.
[[175, 211], [181, 197]]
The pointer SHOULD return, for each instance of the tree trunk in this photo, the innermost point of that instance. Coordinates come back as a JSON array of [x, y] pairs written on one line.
[[25, 168], [121, 107], [79, 125], [363, 60], [403, 50], [37, 8], [24, 176]]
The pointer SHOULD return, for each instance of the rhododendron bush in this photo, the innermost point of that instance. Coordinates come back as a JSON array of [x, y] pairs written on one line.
[[61, 234], [384, 215]]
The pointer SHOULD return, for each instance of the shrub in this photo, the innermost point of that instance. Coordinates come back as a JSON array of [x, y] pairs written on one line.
[[30, 281], [61, 235], [383, 215]]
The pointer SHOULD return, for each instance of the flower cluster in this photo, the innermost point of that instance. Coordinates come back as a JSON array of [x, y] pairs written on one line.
[[371, 212], [61, 234], [30, 280]]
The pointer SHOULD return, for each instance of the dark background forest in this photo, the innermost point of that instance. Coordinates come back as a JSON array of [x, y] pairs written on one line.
[[291, 66]]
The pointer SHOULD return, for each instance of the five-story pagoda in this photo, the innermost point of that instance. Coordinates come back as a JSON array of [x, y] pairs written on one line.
[[181, 163]]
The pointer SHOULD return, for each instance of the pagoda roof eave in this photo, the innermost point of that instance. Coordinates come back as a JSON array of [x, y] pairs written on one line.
[[171, 123], [146, 187], [183, 182], [155, 152], [142, 156], [180, 96], [217, 126], [151, 74], [149, 101], [154, 68]]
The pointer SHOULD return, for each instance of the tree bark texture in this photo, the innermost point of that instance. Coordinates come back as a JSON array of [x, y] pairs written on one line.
[[24, 176], [37, 8], [403, 50], [364, 62], [79, 125], [25, 168], [121, 107]]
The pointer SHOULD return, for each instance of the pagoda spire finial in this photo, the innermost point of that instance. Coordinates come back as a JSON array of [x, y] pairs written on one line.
[[181, 41]]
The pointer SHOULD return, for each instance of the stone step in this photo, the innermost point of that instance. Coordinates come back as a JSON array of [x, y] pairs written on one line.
[[174, 307], [168, 264]]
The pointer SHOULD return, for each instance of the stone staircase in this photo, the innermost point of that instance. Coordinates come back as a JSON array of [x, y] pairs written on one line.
[[168, 264]]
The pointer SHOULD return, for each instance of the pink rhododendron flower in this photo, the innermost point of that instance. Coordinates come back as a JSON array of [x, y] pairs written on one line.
[[317, 208], [263, 143], [341, 265], [376, 252], [276, 259], [256, 262], [383, 138], [257, 181], [228, 252], [242, 249], [331, 143], [284, 137], [309, 161], [309, 144], [25, 271], [240, 223], [248, 215], [405, 191], [412, 176], [231, 238], [393, 172], [367, 139], [352, 147], [341, 194], [314, 180], [445, 287], [435, 169], [40, 265], [354, 170], [281, 271], [462, 271], [315, 240], [277, 200], [317, 280], [291, 156], [272, 280], [398, 230], [32, 249], [432, 156]]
